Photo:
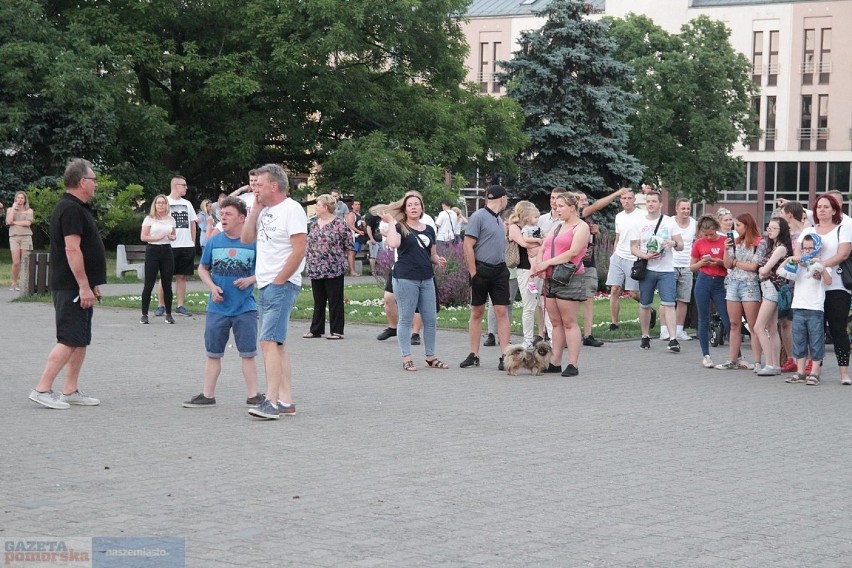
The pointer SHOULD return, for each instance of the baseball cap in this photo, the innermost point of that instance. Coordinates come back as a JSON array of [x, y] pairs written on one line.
[[495, 192]]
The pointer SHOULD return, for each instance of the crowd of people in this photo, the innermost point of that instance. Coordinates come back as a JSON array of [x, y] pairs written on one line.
[[782, 283]]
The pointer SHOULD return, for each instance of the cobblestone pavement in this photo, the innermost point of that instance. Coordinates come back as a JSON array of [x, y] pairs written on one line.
[[646, 459]]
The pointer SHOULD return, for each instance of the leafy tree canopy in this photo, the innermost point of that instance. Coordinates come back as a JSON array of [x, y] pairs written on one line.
[[695, 103], [210, 89], [572, 90]]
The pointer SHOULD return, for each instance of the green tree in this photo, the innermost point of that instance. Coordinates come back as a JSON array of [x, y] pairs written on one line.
[[695, 105], [572, 90]]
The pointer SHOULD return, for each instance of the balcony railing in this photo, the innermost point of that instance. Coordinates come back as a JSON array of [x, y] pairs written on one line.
[[812, 133], [770, 134], [815, 67]]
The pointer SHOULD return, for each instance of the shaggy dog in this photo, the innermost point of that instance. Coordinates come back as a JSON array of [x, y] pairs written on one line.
[[536, 359]]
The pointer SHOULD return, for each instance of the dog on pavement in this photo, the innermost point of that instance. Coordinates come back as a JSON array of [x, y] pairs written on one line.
[[536, 359]]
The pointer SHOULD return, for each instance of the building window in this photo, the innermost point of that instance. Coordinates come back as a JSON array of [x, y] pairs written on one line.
[[822, 123], [774, 41], [825, 56], [746, 191], [808, 58], [484, 69], [755, 107], [770, 134], [757, 58], [805, 131], [839, 177], [495, 56], [787, 180]]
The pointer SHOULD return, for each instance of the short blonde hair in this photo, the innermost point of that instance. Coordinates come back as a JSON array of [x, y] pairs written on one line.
[[327, 200], [153, 211]]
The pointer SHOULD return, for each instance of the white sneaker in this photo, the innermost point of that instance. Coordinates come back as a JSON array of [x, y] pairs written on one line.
[[664, 336], [49, 399], [846, 381], [769, 371], [707, 362], [683, 336], [756, 368], [79, 399]]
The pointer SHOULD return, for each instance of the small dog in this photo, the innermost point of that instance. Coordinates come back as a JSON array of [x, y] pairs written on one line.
[[536, 359]]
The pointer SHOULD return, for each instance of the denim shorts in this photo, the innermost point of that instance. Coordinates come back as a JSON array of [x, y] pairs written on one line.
[[742, 291], [770, 294], [274, 304], [662, 281], [683, 277], [218, 327]]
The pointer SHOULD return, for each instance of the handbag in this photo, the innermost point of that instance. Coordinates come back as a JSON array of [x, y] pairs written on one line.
[[640, 265], [845, 268], [513, 254], [561, 274], [785, 300]]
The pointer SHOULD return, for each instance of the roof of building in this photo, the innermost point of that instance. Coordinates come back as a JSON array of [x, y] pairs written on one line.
[[712, 3], [492, 8]]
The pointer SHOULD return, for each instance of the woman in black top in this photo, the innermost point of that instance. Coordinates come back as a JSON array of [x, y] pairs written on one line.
[[413, 283]]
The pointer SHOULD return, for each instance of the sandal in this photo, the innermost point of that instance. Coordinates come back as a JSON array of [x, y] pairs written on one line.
[[310, 335], [334, 336], [408, 366], [812, 381], [436, 364], [796, 378]]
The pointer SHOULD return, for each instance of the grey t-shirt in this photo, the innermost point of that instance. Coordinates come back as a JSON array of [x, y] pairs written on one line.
[[490, 234]]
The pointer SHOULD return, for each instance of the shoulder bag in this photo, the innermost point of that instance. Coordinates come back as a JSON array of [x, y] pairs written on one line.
[[513, 253], [640, 265], [561, 273], [845, 267]]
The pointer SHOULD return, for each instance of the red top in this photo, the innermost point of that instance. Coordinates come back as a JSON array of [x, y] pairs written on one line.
[[716, 249]]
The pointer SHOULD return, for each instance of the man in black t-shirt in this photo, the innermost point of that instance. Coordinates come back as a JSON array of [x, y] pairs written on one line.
[[77, 269], [374, 239]]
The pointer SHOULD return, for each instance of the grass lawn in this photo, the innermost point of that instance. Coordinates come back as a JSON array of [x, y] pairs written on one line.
[[364, 305]]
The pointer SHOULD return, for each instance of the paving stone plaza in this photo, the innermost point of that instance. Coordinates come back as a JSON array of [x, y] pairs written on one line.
[[646, 459]]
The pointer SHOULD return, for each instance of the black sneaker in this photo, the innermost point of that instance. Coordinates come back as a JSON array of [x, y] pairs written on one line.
[[645, 343], [613, 326], [590, 341], [471, 361], [674, 346], [415, 339], [144, 318], [551, 368], [570, 371], [388, 332], [500, 366], [490, 341], [653, 317], [200, 401], [169, 319], [256, 399]]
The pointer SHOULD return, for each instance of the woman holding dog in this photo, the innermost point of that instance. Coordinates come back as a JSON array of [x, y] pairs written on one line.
[[566, 242], [413, 283]]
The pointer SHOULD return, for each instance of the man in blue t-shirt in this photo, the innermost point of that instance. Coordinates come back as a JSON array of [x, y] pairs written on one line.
[[227, 268]]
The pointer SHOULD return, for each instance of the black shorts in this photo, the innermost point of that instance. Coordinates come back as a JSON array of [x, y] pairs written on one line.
[[490, 280], [184, 260], [73, 323]]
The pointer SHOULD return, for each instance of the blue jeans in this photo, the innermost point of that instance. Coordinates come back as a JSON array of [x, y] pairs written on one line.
[[274, 304], [664, 282], [808, 332], [411, 295], [710, 288]]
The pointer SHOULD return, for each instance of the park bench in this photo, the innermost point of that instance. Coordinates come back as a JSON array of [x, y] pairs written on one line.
[[35, 280], [361, 257], [130, 257]]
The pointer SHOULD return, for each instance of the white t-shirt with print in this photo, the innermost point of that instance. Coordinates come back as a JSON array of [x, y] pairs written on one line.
[[682, 258], [623, 222], [184, 214], [275, 227], [642, 231]]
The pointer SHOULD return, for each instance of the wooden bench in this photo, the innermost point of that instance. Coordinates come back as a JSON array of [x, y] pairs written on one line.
[[35, 281], [130, 257]]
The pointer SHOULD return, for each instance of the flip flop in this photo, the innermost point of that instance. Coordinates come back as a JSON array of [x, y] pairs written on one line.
[[334, 336], [310, 335]]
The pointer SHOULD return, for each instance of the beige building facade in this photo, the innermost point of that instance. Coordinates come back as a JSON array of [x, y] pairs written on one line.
[[801, 60]]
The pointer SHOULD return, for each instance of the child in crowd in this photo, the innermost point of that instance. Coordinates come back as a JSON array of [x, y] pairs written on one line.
[[808, 318], [533, 237]]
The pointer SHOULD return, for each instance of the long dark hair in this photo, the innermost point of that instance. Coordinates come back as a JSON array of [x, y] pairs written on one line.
[[783, 239]]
